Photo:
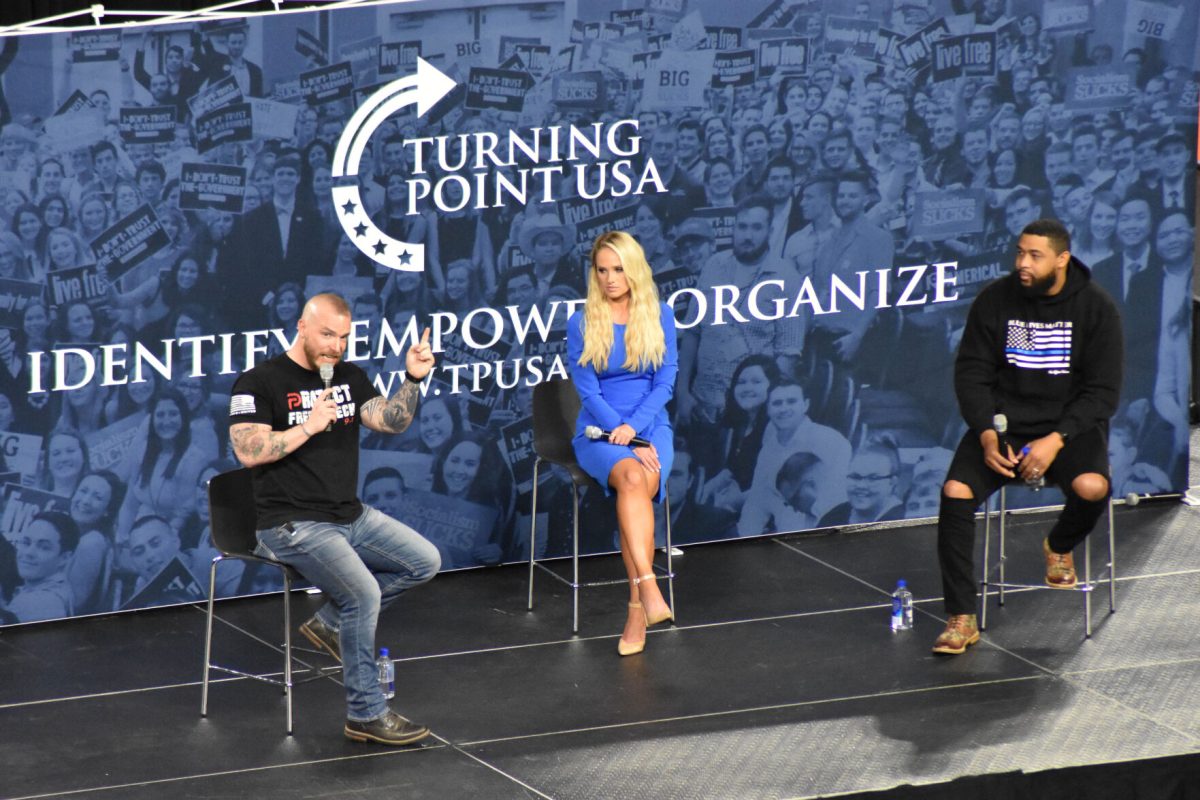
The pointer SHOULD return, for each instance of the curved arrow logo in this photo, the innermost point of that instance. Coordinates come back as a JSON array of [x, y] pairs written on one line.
[[424, 89]]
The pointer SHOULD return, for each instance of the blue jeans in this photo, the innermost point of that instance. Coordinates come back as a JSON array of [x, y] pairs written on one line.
[[362, 568]]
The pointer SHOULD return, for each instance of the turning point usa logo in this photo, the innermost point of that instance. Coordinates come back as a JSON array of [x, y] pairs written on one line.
[[513, 168]]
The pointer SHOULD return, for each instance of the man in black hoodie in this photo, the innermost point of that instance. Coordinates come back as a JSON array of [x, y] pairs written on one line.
[[1042, 346]]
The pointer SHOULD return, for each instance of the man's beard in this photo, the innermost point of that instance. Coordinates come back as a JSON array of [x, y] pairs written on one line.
[[1039, 287], [751, 256], [313, 353]]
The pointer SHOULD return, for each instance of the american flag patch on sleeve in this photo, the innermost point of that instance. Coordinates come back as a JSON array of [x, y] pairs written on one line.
[[241, 404]]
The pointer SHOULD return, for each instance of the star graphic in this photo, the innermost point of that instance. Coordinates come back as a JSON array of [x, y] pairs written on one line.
[[406, 257], [349, 207], [380, 247], [360, 229]]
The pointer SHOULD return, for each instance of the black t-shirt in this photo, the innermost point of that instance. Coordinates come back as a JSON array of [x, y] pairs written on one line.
[[319, 481]]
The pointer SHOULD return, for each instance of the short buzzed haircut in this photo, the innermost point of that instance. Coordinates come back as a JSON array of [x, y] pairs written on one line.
[[334, 299], [1052, 229]]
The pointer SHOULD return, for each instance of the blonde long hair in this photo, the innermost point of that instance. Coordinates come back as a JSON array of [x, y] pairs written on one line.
[[645, 344]]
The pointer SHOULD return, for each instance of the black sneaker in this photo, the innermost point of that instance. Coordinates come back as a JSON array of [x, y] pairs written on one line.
[[322, 637], [391, 728]]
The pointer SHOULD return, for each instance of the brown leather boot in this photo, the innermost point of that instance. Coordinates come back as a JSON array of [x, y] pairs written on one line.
[[1060, 568], [961, 632]]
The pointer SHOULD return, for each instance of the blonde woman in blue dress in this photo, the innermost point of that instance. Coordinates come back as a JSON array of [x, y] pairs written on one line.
[[623, 359]]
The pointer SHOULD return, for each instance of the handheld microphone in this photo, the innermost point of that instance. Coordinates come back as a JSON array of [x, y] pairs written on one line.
[[1000, 423], [593, 432], [326, 371], [1000, 426]]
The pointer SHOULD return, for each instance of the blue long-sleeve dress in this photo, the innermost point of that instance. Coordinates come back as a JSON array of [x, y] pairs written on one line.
[[616, 396]]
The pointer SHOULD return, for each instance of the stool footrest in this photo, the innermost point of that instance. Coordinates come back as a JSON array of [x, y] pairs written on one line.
[[1079, 587], [591, 584]]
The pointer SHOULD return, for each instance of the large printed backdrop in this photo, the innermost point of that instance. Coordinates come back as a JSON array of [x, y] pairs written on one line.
[[138, 186]]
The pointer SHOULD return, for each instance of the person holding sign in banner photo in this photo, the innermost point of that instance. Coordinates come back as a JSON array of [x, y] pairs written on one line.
[[622, 354], [294, 421]]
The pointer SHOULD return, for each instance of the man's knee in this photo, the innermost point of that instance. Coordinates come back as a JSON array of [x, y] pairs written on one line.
[[1090, 486], [957, 490], [430, 562], [369, 597]]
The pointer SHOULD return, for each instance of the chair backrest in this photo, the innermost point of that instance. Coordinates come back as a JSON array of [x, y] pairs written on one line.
[[555, 410], [232, 517]]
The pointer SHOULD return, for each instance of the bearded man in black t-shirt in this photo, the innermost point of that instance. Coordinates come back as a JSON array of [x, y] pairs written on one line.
[[301, 441]]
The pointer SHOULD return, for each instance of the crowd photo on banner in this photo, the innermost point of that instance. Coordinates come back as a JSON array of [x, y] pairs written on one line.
[[821, 188]]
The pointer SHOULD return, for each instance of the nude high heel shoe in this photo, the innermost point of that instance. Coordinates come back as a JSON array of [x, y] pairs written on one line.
[[657, 618], [631, 648]]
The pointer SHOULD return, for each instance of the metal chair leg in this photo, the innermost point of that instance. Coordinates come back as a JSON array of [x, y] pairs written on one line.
[[575, 560], [1087, 588], [1003, 551], [987, 563], [287, 646], [1112, 571], [208, 625], [1112, 560], [537, 462], [670, 567]]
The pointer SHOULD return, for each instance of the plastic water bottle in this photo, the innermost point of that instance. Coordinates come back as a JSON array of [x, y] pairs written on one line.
[[387, 674], [902, 618]]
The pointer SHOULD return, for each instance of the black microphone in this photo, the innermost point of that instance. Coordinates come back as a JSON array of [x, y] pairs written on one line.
[[327, 376], [592, 432]]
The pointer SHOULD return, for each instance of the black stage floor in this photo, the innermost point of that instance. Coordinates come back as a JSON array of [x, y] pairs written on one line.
[[782, 680]]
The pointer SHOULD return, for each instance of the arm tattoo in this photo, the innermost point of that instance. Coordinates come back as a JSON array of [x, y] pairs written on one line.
[[395, 414], [257, 443], [248, 440], [278, 445]]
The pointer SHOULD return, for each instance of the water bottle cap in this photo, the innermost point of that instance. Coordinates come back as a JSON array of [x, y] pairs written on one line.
[[901, 584], [383, 652]]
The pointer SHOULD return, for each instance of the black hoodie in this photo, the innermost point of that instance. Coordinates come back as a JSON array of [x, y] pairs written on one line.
[[1050, 363]]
